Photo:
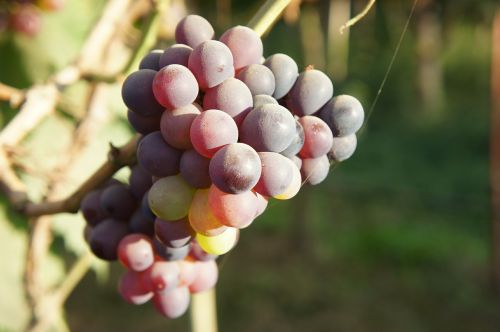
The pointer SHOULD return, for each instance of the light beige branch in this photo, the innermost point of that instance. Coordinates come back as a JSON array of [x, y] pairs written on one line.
[[358, 17]]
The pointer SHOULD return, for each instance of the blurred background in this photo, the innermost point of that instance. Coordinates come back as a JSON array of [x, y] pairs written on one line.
[[398, 238]]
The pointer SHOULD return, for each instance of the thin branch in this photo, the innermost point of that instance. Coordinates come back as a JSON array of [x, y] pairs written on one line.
[[358, 17], [268, 13], [74, 276], [14, 96]]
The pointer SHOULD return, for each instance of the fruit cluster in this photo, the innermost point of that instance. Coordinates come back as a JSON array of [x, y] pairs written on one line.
[[224, 130], [23, 16]]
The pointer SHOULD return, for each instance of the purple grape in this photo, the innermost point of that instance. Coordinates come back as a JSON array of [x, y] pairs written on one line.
[[211, 63], [343, 147], [135, 252], [174, 234], [139, 181], [311, 91], [285, 73], [131, 287], [194, 169], [144, 124], [235, 168], [106, 236], [269, 127], [175, 125], [145, 209], [344, 115], [231, 96], [170, 253], [314, 171], [142, 223], [175, 54], [260, 100], [276, 176], [118, 201], [192, 30], [151, 60], [245, 45], [318, 137], [258, 78], [174, 86], [137, 93], [297, 142], [91, 208], [157, 157]]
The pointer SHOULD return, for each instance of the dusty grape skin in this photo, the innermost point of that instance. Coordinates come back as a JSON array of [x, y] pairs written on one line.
[[174, 86], [139, 181], [285, 72], [297, 161], [142, 223], [318, 137], [170, 198], [137, 93], [118, 202], [315, 170], [133, 289], [192, 30], [176, 54], [311, 91], [91, 208], [105, 237], [258, 78], [172, 304], [232, 97], [157, 157], [135, 252], [245, 45], [269, 127], [163, 276], [194, 169], [235, 168], [343, 147], [170, 253], [211, 63], [175, 126], [144, 124], [260, 100], [211, 130], [174, 234], [206, 278], [233, 210], [151, 60], [297, 142], [344, 115], [276, 176]]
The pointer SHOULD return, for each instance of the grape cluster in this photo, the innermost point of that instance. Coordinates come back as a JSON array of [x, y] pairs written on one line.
[[24, 16], [223, 131]]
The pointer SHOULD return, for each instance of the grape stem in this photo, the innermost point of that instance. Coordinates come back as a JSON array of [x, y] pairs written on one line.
[[268, 13], [358, 17]]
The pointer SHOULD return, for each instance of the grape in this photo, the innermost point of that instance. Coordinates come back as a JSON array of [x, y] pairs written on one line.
[[118, 202], [133, 289], [145, 209], [142, 223], [231, 96], [26, 19], [164, 276], [174, 234], [285, 73], [260, 100], [175, 125], [294, 186], [137, 93], [172, 304], [219, 244], [151, 60], [245, 45], [170, 197], [143, 124], [171, 253], [174, 86], [269, 127], [194, 169], [297, 141], [199, 254], [318, 138], [262, 203], [188, 272], [276, 176], [233, 210], [314, 171], [175, 54], [343, 147], [201, 218], [258, 78], [211, 63], [192, 30], [139, 181], [211, 130], [106, 236], [297, 161], [206, 277], [344, 115], [135, 252], [311, 91], [235, 168], [157, 157], [91, 208]]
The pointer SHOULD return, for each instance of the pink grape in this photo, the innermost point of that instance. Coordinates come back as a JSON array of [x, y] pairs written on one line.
[[175, 125], [318, 137], [211, 130], [192, 30], [276, 176], [133, 289], [164, 276], [315, 170], [175, 54], [233, 210], [174, 86], [294, 186], [201, 218], [135, 252], [245, 45], [206, 277], [172, 304], [188, 272], [261, 203]]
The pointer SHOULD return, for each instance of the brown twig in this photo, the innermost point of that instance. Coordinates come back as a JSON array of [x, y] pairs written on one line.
[[358, 17], [14, 96]]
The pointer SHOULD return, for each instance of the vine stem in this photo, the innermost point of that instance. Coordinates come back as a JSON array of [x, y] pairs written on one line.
[[265, 17], [358, 17]]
